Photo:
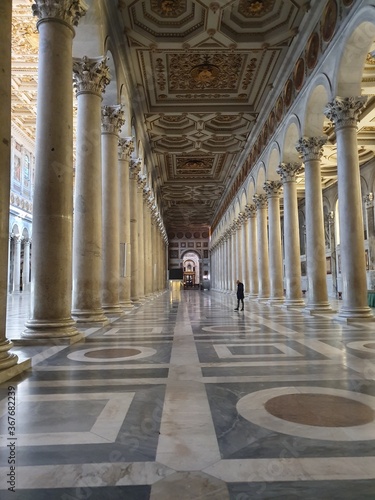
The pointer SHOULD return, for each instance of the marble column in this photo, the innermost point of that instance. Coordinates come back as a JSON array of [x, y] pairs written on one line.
[[273, 190], [10, 264], [126, 148], [26, 265], [241, 255], [370, 226], [112, 121], [232, 257], [91, 76], [251, 213], [332, 245], [17, 263], [344, 113], [288, 173], [141, 237], [260, 201], [7, 359], [134, 168], [311, 150], [226, 261], [246, 258], [51, 297], [148, 244]]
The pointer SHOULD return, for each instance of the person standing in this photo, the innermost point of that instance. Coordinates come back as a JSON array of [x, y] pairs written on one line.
[[240, 295]]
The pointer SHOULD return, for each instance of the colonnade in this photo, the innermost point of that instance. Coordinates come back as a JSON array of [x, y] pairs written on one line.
[[83, 252], [263, 273]]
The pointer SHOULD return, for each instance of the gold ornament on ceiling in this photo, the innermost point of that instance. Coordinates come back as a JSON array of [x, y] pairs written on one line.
[[255, 8], [168, 8], [199, 71], [205, 73]]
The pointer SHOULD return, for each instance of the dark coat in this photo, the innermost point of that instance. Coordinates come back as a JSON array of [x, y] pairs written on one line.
[[240, 292]]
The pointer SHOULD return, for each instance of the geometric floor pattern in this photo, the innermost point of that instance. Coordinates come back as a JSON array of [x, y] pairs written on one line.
[[185, 398]]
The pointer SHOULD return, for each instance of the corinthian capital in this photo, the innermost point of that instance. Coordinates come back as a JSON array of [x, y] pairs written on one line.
[[311, 148], [250, 211], [69, 11], [90, 75], [142, 180], [125, 147], [112, 119], [272, 188], [135, 168], [260, 201], [289, 171], [345, 111]]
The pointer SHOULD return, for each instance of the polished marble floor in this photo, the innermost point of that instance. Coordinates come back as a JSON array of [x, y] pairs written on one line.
[[184, 398]]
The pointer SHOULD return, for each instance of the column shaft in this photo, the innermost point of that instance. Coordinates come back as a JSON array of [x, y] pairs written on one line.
[[253, 254], [262, 247], [273, 189], [17, 264], [288, 172], [51, 298], [134, 289], [125, 149], [311, 151], [112, 121], [87, 221]]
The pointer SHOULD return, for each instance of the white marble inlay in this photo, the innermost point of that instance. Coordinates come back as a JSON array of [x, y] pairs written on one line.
[[80, 355], [293, 469], [223, 351], [251, 407], [187, 438], [362, 345], [104, 430], [125, 332], [231, 329], [86, 475]]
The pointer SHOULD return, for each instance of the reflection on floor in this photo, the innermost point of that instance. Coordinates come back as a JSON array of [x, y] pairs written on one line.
[[184, 398]]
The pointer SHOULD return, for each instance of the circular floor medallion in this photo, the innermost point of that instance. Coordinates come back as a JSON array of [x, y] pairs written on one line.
[[113, 353], [230, 329], [110, 355], [292, 410], [321, 410]]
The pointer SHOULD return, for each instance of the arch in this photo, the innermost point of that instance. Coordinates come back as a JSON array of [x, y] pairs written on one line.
[[89, 38], [250, 190], [274, 160], [314, 118], [110, 96], [15, 230], [243, 198], [292, 134], [260, 178], [358, 42]]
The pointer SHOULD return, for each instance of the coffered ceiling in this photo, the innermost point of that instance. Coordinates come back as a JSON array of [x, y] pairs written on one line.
[[206, 69], [206, 73]]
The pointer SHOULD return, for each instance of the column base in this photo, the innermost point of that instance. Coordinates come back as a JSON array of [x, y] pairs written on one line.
[[92, 316], [112, 309], [263, 300], [60, 331], [348, 315], [276, 301], [322, 308], [290, 303], [13, 371], [7, 359], [126, 305]]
